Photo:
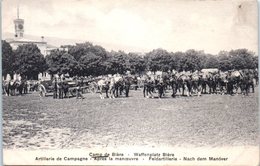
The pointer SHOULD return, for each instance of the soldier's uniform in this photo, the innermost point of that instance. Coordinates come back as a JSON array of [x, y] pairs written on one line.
[[60, 89], [55, 88], [127, 87], [79, 89]]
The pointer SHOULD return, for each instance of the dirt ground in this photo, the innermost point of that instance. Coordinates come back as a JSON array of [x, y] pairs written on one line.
[[31, 122]]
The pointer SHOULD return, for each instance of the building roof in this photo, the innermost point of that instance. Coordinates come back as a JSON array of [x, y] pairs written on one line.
[[51, 46], [210, 70], [24, 40]]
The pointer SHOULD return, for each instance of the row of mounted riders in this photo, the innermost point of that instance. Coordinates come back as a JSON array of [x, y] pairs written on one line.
[[119, 85], [185, 85]]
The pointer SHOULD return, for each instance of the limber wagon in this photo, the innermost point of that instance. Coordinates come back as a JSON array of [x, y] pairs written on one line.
[[46, 88]]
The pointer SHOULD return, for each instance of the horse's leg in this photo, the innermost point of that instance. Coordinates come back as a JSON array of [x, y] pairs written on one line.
[[165, 87], [106, 91], [150, 91], [243, 89], [121, 88], [189, 90], [113, 91], [173, 90], [183, 87], [12, 91], [199, 90], [101, 88], [144, 91], [100, 92], [127, 88], [253, 87], [101, 96], [6, 91], [247, 88], [110, 92], [179, 87], [19, 91], [116, 91], [195, 90]]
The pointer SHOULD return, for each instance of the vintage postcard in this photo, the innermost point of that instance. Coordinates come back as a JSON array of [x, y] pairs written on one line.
[[130, 82]]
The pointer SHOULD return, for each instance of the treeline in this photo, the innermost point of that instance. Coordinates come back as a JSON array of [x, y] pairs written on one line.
[[86, 59]]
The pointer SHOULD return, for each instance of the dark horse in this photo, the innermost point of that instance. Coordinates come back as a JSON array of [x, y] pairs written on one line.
[[9, 87], [148, 87]]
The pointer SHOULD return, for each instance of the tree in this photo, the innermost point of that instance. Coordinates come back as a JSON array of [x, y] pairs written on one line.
[[117, 62], [224, 61], [92, 64], [191, 61], [7, 59], [158, 60], [255, 59], [60, 62], [242, 59], [137, 63], [82, 49], [211, 61], [29, 61], [175, 61]]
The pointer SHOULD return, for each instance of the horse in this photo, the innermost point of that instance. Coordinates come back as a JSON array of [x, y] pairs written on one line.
[[148, 87], [127, 81], [103, 84], [5, 88], [212, 84], [20, 87], [185, 83], [160, 87], [221, 83], [12, 86], [246, 83], [196, 81], [118, 86]]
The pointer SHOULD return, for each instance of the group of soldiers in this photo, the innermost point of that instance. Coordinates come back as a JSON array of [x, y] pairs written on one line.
[[190, 83], [61, 88], [198, 83]]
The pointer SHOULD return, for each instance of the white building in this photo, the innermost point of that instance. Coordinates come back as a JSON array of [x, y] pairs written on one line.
[[19, 39]]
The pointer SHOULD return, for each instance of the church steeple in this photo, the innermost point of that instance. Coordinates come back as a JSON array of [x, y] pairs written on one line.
[[18, 25], [18, 12]]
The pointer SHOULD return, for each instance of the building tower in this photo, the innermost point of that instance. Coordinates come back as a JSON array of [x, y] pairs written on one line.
[[19, 26]]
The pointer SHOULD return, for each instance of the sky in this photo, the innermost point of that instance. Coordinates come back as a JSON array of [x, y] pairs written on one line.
[[140, 25]]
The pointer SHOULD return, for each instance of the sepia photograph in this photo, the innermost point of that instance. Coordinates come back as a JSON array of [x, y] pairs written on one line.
[[130, 82]]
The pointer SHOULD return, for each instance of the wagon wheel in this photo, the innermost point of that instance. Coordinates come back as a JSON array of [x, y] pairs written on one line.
[[93, 87], [73, 92], [42, 90]]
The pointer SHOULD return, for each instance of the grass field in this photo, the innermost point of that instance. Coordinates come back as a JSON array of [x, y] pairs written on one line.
[[31, 122]]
